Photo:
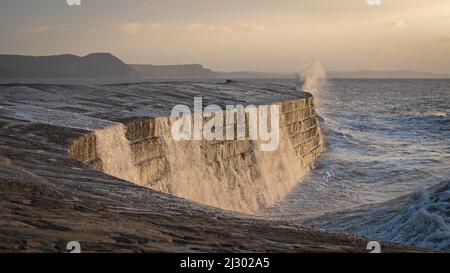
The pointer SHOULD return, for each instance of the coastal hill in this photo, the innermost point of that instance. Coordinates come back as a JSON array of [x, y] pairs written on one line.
[[108, 66], [252, 75], [186, 71], [96, 65]]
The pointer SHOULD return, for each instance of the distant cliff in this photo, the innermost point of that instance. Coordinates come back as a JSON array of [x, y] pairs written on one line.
[[187, 71], [107, 66], [96, 65]]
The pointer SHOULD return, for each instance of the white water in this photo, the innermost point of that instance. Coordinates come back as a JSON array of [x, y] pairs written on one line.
[[419, 219], [193, 177], [114, 150], [384, 138], [312, 77], [423, 222]]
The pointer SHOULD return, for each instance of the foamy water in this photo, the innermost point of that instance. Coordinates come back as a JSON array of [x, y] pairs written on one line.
[[383, 140], [419, 219], [114, 150], [191, 176]]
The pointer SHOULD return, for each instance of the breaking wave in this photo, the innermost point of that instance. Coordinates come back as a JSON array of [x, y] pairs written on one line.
[[383, 140], [420, 219]]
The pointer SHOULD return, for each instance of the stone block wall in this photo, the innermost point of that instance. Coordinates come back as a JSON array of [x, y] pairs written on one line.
[[232, 162]]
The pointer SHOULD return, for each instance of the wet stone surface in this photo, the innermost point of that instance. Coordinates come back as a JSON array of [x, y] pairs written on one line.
[[47, 198]]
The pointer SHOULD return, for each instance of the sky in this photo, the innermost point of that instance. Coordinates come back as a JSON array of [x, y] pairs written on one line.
[[230, 35]]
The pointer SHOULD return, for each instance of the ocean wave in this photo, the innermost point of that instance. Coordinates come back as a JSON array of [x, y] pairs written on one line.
[[382, 139], [420, 219]]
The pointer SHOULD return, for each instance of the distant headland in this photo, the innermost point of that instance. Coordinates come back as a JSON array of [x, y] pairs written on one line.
[[108, 66]]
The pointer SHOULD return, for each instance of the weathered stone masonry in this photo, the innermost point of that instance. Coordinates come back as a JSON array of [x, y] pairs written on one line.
[[48, 198], [228, 159]]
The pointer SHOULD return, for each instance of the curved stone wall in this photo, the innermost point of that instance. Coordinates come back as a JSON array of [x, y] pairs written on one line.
[[48, 198], [233, 175]]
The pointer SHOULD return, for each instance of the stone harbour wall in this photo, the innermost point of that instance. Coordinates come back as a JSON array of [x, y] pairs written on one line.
[[237, 164]]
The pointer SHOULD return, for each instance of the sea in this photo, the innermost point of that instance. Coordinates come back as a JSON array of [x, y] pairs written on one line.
[[385, 169]]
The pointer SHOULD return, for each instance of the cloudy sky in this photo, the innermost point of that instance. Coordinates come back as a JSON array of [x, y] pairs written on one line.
[[264, 35]]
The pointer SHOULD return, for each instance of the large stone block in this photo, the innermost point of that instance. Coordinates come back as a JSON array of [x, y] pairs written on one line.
[[84, 148], [147, 149], [153, 170], [140, 129]]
